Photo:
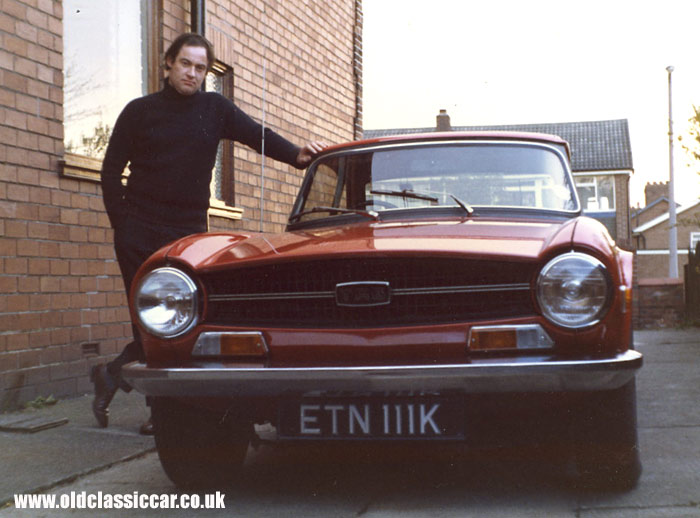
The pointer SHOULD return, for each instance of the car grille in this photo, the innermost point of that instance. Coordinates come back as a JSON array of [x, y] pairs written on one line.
[[422, 291]]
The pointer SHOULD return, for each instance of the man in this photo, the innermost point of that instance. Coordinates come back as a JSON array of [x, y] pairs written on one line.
[[170, 140]]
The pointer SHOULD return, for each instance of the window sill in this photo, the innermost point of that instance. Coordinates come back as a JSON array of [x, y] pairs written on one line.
[[86, 168], [80, 167], [219, 209]]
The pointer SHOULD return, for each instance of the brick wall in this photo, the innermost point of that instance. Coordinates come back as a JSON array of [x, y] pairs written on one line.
[[300, 58], [653, 266], [622, 219], [658, 303], [48, 244], [62, 306]]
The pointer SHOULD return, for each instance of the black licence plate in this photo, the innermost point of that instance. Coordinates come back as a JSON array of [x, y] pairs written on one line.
[[372, 418]]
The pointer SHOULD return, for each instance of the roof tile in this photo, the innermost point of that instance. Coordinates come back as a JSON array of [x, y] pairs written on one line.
[[595, 145]]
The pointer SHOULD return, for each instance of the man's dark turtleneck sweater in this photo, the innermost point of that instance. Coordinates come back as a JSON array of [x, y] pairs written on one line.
[[170, 142]]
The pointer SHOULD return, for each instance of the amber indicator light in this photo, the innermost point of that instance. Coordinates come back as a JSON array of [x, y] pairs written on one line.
[[493, 340], [242, 345]]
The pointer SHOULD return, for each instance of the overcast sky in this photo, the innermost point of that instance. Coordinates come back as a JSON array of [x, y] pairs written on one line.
[[536, 61]]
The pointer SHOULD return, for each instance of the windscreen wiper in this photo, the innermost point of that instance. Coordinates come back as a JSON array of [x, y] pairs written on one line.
[[463, 205], [407, 193], [367, 213]]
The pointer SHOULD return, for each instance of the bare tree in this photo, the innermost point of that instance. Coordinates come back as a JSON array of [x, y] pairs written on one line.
[[81, 103]]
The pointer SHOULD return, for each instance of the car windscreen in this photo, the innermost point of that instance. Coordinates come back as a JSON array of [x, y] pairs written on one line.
[[469, 174]]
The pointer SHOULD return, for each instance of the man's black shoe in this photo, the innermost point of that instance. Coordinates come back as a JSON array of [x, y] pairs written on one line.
[[105, 388]]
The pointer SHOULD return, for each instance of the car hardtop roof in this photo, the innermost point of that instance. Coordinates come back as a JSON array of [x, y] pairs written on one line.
[[454, 135]]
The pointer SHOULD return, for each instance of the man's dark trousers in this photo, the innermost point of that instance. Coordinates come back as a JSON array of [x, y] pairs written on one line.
[[135, 240]]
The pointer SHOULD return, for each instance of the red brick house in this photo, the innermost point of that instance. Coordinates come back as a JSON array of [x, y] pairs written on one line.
[[660, 300], [67, 68], [650, 230]]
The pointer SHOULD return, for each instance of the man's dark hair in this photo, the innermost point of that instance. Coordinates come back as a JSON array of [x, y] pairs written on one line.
[[190, 39]]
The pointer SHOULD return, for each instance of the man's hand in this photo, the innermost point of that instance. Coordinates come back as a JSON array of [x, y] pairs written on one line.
[[309, 151]]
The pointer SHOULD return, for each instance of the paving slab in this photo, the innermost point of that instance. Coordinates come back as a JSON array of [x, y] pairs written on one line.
[[37, 461], [29, 423]]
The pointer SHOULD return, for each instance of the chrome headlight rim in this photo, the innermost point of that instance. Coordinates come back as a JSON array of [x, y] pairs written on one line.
[[188, 323], [595, 316]]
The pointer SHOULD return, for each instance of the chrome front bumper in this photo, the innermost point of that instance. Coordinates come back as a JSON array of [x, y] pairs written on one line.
[[525, 374]]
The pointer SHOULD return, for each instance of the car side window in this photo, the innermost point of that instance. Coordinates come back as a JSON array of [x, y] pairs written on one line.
[[327, 189]]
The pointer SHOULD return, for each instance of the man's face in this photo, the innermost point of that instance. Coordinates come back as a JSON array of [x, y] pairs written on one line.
[[188, 69]]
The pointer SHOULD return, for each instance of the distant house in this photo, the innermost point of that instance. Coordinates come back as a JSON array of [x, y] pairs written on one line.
[[601, 161], [660, 300], [650, 230], [640, 216]]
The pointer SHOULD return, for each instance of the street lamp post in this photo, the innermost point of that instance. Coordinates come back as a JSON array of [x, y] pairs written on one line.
[[672, 233]]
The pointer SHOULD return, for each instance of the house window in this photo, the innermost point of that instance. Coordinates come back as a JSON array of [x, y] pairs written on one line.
[[220, 79], [597, 193], [106, 49], [694, 240]]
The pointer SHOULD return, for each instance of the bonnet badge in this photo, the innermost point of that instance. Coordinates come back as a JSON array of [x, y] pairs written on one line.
[[361, 294]]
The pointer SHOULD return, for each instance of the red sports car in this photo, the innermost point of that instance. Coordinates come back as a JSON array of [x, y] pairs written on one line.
[[438, 287]]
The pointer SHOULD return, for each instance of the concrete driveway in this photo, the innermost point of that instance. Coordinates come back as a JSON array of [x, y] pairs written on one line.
[[300, 482]]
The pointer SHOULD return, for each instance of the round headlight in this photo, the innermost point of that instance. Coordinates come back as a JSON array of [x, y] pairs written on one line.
[[573, 290], [166, 302]]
